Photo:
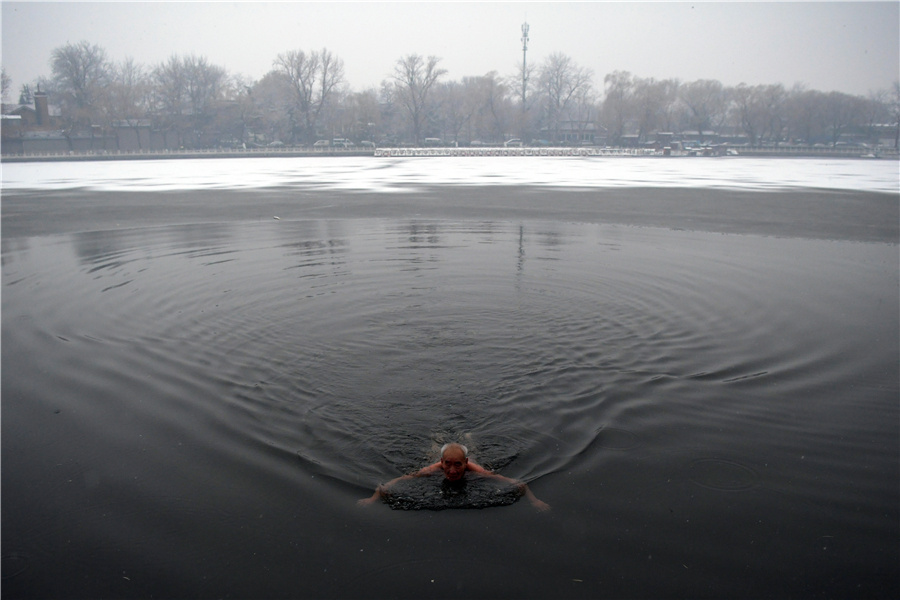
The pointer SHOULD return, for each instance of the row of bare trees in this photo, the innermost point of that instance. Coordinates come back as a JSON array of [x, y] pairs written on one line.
[[305, 97], [761, 113]]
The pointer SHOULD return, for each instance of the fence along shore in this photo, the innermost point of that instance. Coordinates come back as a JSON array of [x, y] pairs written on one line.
[[487, 151]]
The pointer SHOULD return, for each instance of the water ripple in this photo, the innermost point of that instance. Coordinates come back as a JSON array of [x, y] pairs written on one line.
[[377, 340]]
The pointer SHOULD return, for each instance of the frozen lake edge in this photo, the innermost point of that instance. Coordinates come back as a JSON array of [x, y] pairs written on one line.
[[803, 213]]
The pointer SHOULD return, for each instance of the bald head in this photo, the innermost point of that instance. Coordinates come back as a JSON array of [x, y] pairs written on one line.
[[454, 461], [454, 447]]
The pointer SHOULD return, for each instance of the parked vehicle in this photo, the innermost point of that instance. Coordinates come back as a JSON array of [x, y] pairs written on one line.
[[513, 143], [321, 144]]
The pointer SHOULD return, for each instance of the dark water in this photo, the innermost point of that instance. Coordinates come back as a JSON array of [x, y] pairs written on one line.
[[193, 411]]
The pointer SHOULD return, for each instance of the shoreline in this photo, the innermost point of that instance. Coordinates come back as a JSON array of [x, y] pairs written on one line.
[[808, 213], [574, 152], [180, 155]]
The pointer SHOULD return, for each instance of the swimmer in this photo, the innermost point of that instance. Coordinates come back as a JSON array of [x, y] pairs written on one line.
[[454, 464]]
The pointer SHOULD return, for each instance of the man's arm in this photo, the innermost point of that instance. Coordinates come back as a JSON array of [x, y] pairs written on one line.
[[538, 504], [523, 487], [383, 488], [476, 468]]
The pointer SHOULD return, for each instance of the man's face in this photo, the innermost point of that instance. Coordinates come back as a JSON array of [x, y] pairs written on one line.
[[454, 464]]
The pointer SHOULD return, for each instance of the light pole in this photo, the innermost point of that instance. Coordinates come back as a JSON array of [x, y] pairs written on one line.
[[524, 64], [524, 77]]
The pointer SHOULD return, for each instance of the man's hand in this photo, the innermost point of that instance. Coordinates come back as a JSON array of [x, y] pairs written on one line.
[[540, 505], [371, 499]]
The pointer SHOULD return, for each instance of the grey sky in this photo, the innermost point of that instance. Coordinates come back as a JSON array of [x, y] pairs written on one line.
[[852, 47]]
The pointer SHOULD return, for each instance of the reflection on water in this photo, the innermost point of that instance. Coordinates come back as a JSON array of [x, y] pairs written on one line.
[[337, 338], [174, 367]]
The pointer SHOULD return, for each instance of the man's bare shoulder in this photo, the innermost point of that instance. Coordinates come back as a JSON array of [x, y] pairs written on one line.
[[429, 470]]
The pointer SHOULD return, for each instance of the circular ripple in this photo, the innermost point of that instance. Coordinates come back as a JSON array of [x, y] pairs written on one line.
[[723, 475]]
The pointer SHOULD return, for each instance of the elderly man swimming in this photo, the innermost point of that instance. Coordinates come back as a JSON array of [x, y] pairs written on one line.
[[454, 464]]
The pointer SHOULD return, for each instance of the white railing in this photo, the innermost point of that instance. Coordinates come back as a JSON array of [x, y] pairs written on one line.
[[389, 152], [425, 152], [186, 153]]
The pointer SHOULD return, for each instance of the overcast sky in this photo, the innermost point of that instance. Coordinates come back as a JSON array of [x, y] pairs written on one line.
[[852, 47]]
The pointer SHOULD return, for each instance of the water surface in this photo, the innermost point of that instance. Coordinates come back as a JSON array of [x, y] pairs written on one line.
[[192, 410]]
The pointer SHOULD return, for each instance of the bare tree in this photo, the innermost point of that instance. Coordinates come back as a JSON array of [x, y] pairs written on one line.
[[169, 94], [496, 104], [455, 108], [131, 86], [618, 105], [583, 111], [774, 97], [188, 93], [894, 109], [561, 82], [842, 112], [26, 97], [705, 100], [273, 101], [128, 95], [875, 111], [363, 114], [336, 117], [313, 78], [244, 116], [390, 112], [523, 80], [415, 76], [205, 88], [805, 110], [652, 104], [759, 111], [80, 73], [6, 82], [305, 94]]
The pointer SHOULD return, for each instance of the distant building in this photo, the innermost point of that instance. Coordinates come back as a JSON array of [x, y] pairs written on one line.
[[11, 125], [36, 129], [38, 117], [575, 133], [133, 135], [26, 128]]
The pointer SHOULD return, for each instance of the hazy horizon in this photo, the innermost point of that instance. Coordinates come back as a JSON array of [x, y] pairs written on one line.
[[852, 47]]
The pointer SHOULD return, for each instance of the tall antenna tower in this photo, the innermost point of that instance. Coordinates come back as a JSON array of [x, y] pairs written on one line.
[[524, 64]]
